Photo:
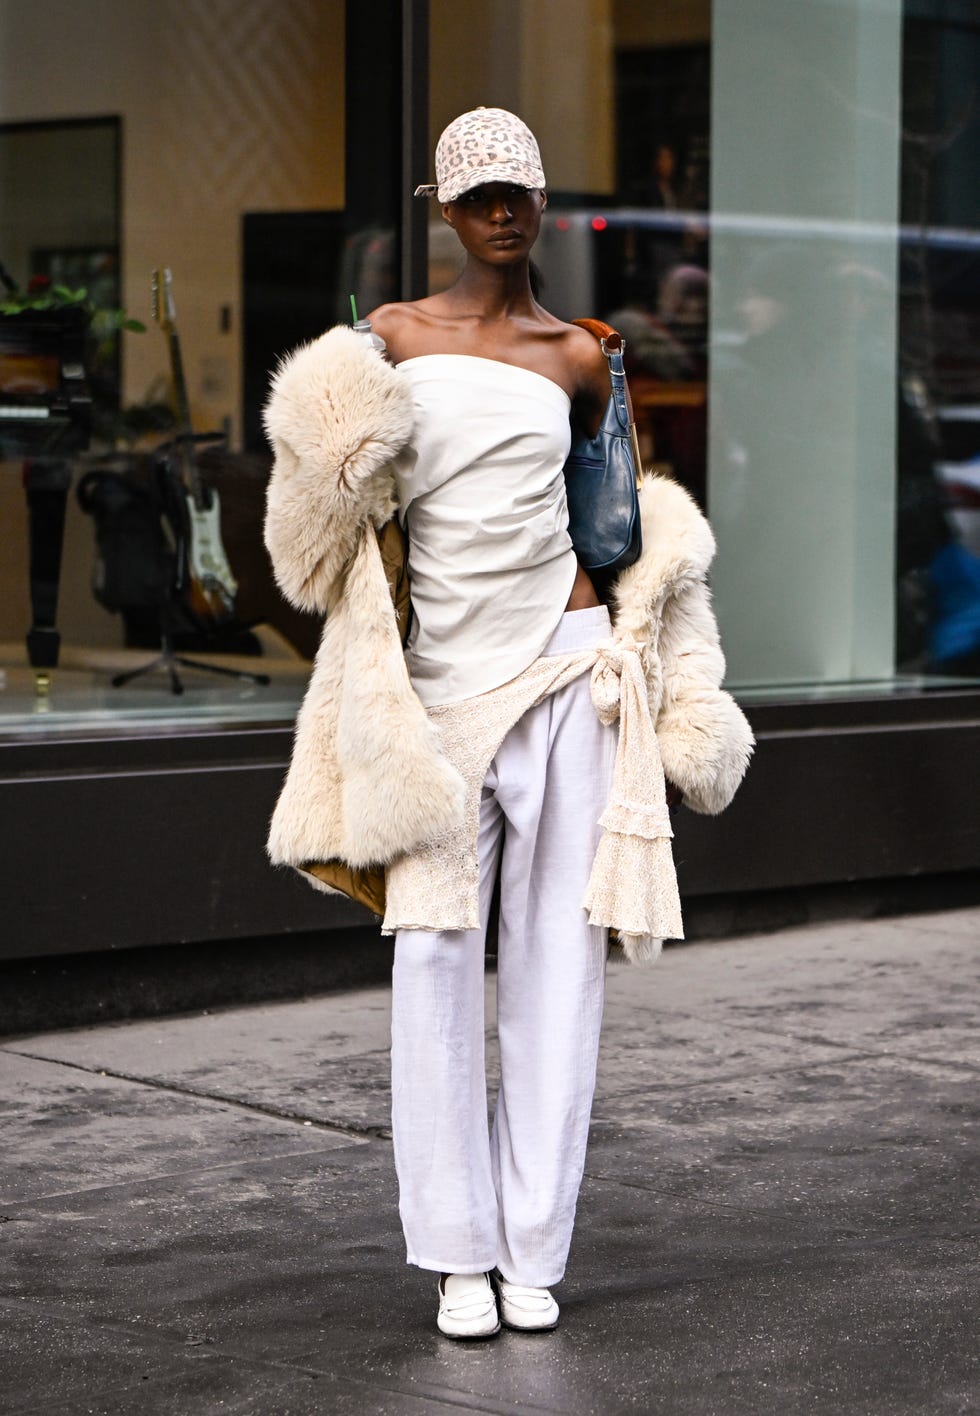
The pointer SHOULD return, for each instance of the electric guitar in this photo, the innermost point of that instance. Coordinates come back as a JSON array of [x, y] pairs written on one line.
[[204, 575]]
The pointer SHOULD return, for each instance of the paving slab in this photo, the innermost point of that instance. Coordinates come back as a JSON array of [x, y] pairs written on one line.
[[137, 1369], [321, 1060], [66, 1130], [711, 1007], [874, 984], [694, 1312], [778, 1215], [853, 1105]]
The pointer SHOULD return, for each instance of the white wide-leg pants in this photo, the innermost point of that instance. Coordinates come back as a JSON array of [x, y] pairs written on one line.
[[472, 1199]]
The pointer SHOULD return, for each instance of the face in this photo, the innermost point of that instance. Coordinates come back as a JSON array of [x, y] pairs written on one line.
[[497, 222], [664, 162]]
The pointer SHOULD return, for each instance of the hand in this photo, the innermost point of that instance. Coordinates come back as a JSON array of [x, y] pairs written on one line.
[[675, 797]]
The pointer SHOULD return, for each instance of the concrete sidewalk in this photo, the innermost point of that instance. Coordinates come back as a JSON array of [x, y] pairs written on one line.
[[779, 1214]]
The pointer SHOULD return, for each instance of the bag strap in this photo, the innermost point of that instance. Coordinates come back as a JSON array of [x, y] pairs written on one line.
[[600, 330], [613, 347]]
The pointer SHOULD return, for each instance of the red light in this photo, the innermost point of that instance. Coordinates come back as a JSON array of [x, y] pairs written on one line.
[[563, 223], [599, 223]]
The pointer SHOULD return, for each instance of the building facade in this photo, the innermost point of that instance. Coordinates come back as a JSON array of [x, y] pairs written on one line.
[[775, 202]]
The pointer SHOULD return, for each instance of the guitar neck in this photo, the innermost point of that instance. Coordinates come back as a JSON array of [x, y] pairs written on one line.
[[209, 585], [182, 406], [166, 317]]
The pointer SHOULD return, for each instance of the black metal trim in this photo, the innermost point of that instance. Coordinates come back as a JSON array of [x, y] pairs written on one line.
[[415, 148]]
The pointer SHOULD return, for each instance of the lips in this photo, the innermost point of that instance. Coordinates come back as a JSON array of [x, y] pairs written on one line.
[[504, 237]]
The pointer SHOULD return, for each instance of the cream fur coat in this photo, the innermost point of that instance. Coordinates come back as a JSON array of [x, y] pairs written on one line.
[[367, 781]]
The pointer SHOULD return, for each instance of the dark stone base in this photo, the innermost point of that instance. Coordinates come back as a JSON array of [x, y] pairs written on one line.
[[73, 990]]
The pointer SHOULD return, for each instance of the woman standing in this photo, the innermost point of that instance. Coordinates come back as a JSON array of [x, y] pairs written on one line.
[[491, 746]]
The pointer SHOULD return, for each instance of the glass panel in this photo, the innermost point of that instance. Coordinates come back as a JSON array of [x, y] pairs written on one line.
[[776, 204], [781, 217], [938, 546], [805, 274], [229, 120]]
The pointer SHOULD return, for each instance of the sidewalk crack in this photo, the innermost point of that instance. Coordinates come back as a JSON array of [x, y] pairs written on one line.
[[868, 1050], [361, 1130]]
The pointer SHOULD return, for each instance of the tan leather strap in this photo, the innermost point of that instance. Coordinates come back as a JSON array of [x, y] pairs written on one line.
[[600, 330], [614, 341]]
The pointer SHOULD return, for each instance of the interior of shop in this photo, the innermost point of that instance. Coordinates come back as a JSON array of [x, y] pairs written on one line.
[[790, 249]]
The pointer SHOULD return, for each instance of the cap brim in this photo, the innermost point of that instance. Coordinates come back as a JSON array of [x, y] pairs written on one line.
[[520, 174]]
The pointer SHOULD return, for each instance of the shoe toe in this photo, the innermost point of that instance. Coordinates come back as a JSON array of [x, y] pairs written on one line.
[[528, 1309], [467, 1307]]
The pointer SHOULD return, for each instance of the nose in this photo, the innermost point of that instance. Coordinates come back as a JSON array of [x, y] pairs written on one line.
[[500, 210]]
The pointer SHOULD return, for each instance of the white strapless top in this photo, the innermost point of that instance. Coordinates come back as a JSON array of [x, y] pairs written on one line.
[[482, 496]]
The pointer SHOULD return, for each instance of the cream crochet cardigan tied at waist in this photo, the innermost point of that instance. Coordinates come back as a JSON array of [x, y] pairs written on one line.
[[633, 885]]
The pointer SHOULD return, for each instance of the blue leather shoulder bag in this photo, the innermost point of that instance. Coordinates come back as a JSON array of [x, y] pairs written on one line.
[[601, 475]]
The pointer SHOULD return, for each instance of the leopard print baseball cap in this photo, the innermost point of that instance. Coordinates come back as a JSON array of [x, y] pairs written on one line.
[[485, 145]]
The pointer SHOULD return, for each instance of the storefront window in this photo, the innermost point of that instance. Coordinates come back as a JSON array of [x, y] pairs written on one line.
[[845, 292], [775, 203], [136, 137]]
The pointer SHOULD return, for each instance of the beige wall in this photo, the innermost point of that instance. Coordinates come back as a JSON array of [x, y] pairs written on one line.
[[227, 106]]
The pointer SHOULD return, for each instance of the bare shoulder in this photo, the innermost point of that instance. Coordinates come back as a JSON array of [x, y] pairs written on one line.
[[585, 350], [404, 325], [389, 319], [591, 373]]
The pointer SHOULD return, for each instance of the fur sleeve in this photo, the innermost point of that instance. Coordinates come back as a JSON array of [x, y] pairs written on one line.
[[336, 416], [705, 740]]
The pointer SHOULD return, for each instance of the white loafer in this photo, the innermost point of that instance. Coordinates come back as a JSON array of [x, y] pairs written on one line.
[[525, 1309], [467, 1306]]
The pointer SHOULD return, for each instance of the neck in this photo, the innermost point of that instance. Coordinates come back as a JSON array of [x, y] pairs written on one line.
[[494, 292]]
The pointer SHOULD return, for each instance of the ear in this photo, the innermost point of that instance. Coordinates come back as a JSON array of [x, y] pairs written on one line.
[[447, 214], [544, 199]]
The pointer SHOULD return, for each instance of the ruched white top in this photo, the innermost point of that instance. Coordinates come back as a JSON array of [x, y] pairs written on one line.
[[482, 496]]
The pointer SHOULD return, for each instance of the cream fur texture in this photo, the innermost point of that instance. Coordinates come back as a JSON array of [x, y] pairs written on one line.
[[663, 602], [336, 416], [367, 781]]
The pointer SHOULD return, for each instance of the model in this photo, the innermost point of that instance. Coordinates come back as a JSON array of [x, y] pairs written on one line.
[[497, 722]]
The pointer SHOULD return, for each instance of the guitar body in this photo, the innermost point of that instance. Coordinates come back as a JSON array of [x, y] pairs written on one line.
[[211, 586], [205, 578]]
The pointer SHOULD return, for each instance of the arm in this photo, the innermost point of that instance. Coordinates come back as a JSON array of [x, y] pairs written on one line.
[[336, 416], [592, 381]]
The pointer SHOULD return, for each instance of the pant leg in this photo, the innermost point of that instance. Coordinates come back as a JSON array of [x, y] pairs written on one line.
[[554, 776], [447, 1200]]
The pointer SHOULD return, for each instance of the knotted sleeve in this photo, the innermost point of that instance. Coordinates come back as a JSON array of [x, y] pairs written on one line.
[[633, 885]]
